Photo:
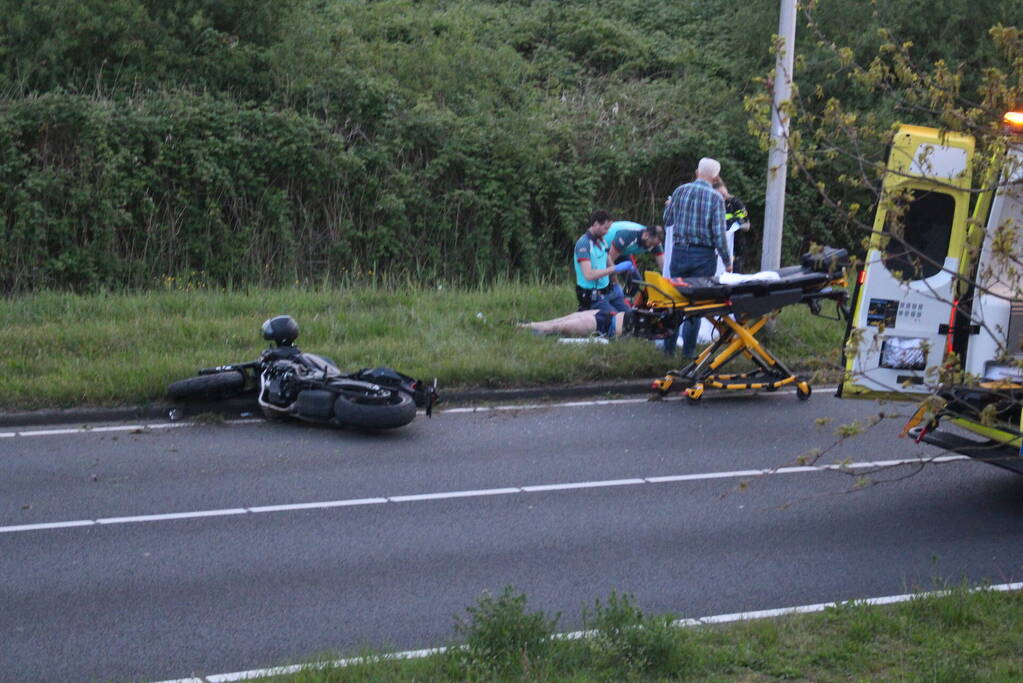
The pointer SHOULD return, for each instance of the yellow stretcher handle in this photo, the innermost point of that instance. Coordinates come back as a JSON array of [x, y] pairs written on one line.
[[659, 292]]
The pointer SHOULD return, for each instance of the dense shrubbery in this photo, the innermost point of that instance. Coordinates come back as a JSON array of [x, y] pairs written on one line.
[[268, 141], [103, 193]]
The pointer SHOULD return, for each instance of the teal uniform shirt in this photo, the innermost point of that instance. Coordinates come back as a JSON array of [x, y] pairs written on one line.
[[594, 250], [624, 236]]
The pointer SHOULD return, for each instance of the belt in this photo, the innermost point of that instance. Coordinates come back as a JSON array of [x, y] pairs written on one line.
[[701, 246], [602, 290]]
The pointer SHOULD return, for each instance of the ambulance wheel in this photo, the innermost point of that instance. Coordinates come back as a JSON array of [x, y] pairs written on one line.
[[803, 391]]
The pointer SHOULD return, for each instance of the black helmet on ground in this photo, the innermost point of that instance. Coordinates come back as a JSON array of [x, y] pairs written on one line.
[[282, 330]]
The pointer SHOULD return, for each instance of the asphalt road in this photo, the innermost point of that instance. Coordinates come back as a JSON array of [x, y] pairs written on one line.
[[175, 550]]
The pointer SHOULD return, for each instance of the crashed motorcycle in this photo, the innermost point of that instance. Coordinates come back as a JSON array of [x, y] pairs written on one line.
[[294, 384]]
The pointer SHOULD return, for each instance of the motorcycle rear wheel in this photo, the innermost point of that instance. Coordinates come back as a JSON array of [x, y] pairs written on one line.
[[397, 411], [217, 385]]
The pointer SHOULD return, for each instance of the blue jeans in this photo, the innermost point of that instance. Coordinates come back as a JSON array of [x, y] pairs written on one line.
[[690, 262], [612, 302], [616, 299]]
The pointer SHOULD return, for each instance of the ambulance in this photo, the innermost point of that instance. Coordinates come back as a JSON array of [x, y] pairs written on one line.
[[937, 308]]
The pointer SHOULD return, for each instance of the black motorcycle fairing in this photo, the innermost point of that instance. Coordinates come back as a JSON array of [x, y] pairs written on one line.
[[279, 353], [285, 380], [361, 392], [280, 387], [424, 395], [384, 375], [320, 365]]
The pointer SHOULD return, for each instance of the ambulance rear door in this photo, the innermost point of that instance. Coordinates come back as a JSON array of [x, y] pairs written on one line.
[[996, 346], [900, 327]]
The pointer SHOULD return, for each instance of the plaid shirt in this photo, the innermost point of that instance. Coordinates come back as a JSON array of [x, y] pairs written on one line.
[[698, 213]]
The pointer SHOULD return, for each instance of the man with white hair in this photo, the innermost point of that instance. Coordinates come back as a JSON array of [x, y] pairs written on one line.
[[697, 213]]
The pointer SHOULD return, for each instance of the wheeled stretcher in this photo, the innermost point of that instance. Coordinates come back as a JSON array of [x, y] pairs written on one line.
[[738, 312]]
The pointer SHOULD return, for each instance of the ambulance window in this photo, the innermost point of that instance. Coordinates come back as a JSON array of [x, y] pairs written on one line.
[[927, 230]]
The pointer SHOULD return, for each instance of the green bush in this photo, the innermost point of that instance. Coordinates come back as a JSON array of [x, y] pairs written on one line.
[[626, 640], [267, 141], [259, 142], [100, 194], [501, 638]]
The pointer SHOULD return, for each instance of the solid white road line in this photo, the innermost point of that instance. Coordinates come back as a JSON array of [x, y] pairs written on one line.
[[583, 485], [453, 494], [320, 505], [172, 515], [575, 635], [478, 493], [453, 411]]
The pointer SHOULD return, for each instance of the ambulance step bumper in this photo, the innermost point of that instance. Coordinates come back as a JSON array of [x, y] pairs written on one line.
[[991, 452]]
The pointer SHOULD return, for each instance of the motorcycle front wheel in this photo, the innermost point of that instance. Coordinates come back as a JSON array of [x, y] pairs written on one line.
[[371, 411], [216, 385]]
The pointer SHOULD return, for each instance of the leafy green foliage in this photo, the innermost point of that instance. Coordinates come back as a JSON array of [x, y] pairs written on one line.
[[127, 46], [626, 640], [268, 141], [105, 195], [501, 638], [862, 68]]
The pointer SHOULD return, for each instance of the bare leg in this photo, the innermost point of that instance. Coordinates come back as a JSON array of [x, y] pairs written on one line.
[[578, 324]]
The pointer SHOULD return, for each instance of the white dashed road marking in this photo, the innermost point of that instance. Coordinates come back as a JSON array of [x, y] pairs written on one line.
[[476, 493]]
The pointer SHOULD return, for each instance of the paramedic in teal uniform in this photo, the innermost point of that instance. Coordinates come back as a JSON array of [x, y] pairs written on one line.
[[592, 274], [625, 239]]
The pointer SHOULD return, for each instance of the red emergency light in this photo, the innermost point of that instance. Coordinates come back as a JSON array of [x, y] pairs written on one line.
[[1013, 119]]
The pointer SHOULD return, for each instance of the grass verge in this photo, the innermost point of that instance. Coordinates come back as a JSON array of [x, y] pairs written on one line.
[[960, 635], [63, 350]]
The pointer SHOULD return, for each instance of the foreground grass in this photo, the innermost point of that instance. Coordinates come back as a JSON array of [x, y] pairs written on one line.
[[63, 350], [960, 636]]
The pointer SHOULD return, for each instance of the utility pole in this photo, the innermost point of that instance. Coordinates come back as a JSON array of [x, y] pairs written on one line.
[[777, 160]]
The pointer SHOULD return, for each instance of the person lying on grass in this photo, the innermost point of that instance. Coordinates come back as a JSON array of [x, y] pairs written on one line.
[[585, 323]]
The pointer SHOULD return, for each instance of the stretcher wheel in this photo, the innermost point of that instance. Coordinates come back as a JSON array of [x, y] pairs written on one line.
[[803, 391], [661, 386], [694, 393]]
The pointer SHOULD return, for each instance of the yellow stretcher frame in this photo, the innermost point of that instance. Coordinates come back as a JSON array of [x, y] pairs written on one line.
[[736, 338]]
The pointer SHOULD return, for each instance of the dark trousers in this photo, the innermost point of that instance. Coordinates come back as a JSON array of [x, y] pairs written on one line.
[[690, 262], [610, 299]]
